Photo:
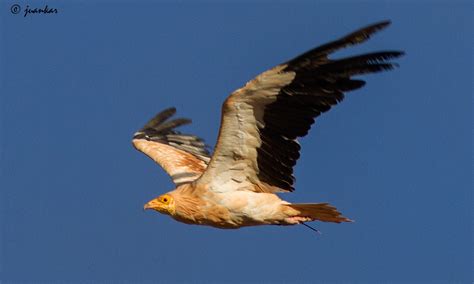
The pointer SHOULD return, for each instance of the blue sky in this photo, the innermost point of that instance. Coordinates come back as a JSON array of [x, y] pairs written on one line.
[[396, 156]]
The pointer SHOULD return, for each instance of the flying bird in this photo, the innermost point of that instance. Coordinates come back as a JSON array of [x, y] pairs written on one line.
[[257, 145]]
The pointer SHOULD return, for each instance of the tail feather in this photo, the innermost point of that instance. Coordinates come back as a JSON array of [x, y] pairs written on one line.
[[319, 211]]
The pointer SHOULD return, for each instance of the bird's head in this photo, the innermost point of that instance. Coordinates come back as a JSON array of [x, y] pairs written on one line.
[[163, 204]]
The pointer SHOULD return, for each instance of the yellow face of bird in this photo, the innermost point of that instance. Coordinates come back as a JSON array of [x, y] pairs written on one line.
[[163, 204]]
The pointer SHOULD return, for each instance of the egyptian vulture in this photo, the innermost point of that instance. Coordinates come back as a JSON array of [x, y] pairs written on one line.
[[257, 146]]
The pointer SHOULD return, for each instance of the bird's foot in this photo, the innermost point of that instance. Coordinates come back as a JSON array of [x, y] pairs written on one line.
[[296, 220]]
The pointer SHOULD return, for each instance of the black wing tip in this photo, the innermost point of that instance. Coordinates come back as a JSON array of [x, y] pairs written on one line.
[[379, 25], [398, 53], [169, 109], [163, 115], [322, 52], [393, 53], [364, 33], [372, 28], [161, 124], [163, 129], [180, 121]]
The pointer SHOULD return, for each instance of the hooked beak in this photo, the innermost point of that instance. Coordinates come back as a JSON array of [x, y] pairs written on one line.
[[153, 204]]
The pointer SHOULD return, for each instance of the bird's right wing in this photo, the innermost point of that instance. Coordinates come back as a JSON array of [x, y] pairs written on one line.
[[184, 157]]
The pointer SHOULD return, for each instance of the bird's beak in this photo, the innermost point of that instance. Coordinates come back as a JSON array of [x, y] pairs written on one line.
[[153, 204]]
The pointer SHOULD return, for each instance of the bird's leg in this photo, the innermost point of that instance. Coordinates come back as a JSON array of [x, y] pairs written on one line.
[[295, 220], [311, 228]]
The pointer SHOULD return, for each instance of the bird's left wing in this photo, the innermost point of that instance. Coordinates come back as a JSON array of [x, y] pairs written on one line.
[[257, 145], [184, 157]]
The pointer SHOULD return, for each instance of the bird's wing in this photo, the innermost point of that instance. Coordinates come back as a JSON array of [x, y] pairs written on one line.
[[257, 145], [184, 157]]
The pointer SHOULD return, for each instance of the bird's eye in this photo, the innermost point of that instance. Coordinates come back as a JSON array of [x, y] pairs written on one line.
[[165, 199]]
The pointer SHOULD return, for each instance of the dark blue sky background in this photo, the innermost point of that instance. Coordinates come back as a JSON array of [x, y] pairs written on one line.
[[395, 156]]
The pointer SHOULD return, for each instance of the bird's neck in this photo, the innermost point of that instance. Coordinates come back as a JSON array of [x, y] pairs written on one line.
[[188, 203]]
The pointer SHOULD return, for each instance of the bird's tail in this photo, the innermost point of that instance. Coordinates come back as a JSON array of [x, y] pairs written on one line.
[[319, 211]]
